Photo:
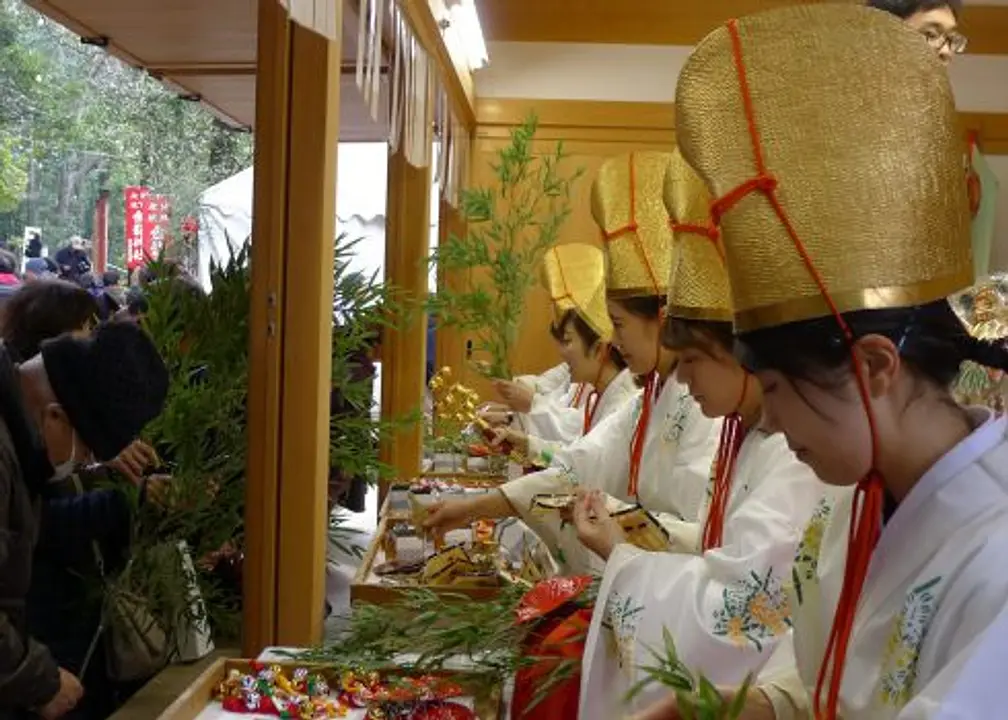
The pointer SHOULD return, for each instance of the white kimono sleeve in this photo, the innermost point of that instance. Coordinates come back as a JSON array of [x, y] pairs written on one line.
[[552, 419], [726, 609], [600, 459]]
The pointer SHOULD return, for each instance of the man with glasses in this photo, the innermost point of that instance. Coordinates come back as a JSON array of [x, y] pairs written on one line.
[[936, 20]]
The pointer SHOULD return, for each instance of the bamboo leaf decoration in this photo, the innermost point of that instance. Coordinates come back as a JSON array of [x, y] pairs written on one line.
[[201, 434], [509, 228], [696, 696]]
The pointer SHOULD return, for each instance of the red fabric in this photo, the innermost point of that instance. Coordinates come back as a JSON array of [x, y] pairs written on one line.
[[561, 638], [550, 595], [9, 279], [866, 513]]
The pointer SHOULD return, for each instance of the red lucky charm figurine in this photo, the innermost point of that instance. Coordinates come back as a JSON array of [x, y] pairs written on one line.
[[562, 626]]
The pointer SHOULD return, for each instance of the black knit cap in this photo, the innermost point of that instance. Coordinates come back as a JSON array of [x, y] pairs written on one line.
[[111, 384]]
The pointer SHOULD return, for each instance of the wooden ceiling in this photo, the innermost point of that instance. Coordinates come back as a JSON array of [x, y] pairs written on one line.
[[673, 22], [200, 47]]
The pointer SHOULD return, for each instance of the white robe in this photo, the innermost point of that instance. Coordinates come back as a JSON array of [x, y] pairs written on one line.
[[675, 464], [937, 581], [556, 416], [726, 609], [979, 693], [619, 391], [556, 378]]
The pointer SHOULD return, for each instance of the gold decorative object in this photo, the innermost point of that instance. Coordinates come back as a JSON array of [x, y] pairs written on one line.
[[983, 309], [455, 408]]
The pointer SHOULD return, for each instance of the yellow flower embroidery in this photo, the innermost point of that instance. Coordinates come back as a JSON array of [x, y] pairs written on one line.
[[755, 609], [806, 562], [904, 645]]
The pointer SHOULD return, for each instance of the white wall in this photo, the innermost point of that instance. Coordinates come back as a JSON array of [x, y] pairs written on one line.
[[648, 73]]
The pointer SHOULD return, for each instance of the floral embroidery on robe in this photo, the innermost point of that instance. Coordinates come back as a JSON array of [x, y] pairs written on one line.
[[904, 646], [622, 615], [755, 609], [676, 421], [806, 563]]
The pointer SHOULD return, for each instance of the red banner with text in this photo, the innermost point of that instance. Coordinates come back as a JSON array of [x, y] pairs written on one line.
[[147, 216]]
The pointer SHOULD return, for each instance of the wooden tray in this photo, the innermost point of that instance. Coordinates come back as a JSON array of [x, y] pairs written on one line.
[[367, 587], [396, 505], [198, 699]]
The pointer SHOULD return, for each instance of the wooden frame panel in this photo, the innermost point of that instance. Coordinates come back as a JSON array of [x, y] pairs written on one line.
[[661, 22]]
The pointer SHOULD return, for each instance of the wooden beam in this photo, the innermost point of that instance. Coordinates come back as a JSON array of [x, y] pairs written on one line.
[[404, 347], [449, 342], [262, 492], [189, 69], [663, 22], [644, 123], [297, 117], [307, 338]]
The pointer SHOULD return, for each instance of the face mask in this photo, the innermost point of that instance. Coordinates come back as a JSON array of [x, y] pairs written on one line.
[[66, 468]]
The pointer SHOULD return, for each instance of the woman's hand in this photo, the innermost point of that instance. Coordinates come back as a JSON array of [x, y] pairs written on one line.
[[517, 396], [496, 418], [597, 529], [518, 440], [445, 515], [135, 460]]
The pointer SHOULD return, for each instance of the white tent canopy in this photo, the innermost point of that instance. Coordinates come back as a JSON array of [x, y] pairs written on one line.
[[226, 209]]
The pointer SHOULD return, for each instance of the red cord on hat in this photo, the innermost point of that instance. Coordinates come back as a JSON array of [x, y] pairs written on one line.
[[631, 227], [866, 512]]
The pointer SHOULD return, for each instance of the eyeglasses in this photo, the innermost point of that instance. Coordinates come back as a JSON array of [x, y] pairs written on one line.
[[954, 41]]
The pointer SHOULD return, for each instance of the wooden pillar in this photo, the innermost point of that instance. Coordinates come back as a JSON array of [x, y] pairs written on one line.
[[404, 348], [297, 129], [450, 341]]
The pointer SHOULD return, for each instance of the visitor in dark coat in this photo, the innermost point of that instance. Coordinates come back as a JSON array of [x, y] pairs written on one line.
[[80, 399]]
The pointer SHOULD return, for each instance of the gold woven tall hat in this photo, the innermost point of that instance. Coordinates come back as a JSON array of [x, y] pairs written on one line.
[[627, 206], [698, 281], [828, 130], [574, 275]]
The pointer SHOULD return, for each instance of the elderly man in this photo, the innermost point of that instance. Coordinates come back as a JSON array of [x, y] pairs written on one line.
[[79, 400]]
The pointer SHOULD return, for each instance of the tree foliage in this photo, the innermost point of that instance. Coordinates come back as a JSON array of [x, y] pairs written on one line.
[[75, 121]]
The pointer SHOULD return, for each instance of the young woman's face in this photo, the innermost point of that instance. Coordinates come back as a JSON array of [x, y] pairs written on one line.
[[582, 360], [826, 427], [637, 338], [715, 379]]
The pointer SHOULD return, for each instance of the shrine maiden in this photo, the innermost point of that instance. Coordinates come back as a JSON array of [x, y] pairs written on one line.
[[846, 224], [655, 451], [574, 275], [722, 595]]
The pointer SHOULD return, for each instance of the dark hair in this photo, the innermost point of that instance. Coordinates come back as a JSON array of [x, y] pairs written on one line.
[[8, 262], [43, 310], [703, 335], [648, 307], [136, 301], [905, 8], [931, 340], [110, 278], [586, 333]]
